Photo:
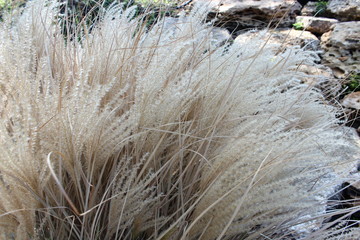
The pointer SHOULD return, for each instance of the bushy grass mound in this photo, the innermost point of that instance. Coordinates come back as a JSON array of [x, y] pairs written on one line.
[[126, 132]]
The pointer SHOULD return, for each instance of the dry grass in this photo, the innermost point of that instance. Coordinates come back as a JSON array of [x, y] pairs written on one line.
[[127, 133]]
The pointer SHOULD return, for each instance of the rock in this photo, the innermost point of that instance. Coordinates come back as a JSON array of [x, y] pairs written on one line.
[[169, 22], [286, 38], [304, 39], [321, 77], [309, 9], [342, 48], [318, 71], [344, 10], [352, 100], [241, 14], [220, 36], [317, 25]]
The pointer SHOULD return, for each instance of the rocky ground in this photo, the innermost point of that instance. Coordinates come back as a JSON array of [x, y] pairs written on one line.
[[332, 28]]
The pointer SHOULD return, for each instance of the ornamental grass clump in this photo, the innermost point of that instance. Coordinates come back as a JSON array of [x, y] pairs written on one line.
[[129, 132]]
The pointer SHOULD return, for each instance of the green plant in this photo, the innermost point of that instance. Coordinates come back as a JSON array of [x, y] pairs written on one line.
[[7, 6], [321, 6], [136, 133], [75, 16], [298, 26], [352, 84], [2, 3], [78, 16]]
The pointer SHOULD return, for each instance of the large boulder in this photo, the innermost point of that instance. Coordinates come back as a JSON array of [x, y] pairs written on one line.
[[344, 10], [283, 38], [244, 14], [342, 48]]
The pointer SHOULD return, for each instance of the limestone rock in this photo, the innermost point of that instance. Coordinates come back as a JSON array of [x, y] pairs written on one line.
[[319, 70], [242, 14], [317, 25], [304, 39], [220, 36], [321, 77], [344, 10], [286, 38], [309, 9], [342, 48], [352, 100], [169, 22]]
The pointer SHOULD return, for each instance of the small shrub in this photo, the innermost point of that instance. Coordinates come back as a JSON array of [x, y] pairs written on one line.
[[298, 26], [352, 84], [321, 6], [7, 6], [77, 16]]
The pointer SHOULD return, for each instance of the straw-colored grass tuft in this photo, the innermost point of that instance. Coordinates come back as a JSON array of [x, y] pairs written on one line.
[[125, 132]]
